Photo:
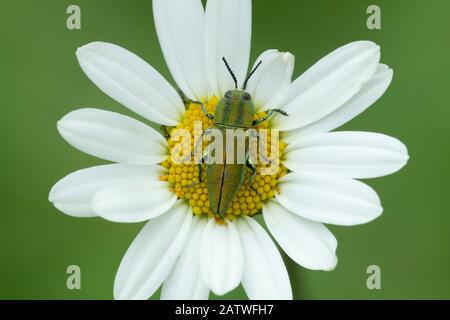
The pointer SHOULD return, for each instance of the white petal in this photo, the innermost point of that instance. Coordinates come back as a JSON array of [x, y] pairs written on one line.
[[114, 137], [152, 254], [228, 34], [131, 81], [221, 258], [328, 84], [73, 194], [134, 201], [308, 243], [329, 199], [347, 154], [184, 282], [362, 100], [180, 25], [270, 83], [265, 276]]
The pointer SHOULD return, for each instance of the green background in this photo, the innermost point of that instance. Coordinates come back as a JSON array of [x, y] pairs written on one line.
[[40, 81]]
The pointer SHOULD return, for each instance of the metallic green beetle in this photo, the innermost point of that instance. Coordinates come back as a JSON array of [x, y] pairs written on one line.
[[234, 111]]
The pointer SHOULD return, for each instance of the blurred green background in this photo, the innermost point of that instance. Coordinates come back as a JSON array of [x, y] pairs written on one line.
[[40, 81]]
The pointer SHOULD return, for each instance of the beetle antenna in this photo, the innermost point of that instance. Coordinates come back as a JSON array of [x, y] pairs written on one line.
[[250, 75], [231, 72]]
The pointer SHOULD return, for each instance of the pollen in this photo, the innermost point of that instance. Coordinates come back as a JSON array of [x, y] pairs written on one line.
[[184, 177]]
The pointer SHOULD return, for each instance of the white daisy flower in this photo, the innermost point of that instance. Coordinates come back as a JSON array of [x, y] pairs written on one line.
[[184, 247]]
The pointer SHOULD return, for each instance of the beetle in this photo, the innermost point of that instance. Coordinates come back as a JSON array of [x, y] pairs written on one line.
[[234, 111]]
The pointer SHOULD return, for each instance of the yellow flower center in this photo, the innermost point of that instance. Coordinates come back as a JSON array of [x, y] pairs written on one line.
[[184, 177]]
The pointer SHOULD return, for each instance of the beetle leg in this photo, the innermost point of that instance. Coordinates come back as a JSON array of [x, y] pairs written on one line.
[[203, 159], [197, 144], [200, 170], [255, 134], [200, 173], [188, 101], [252, 168], [209, 115], [268, 115]]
